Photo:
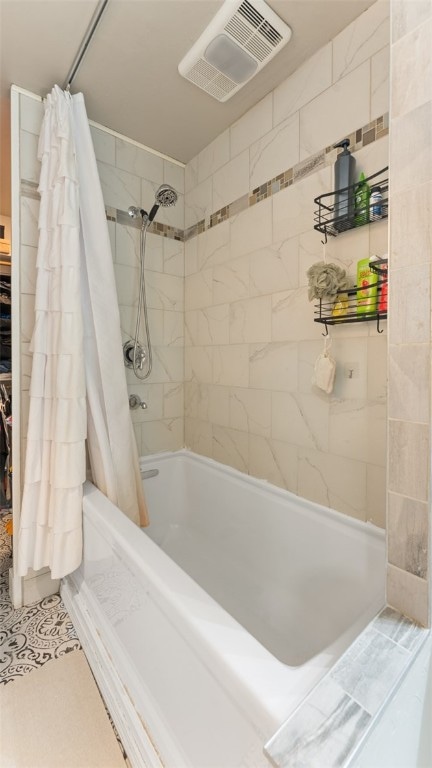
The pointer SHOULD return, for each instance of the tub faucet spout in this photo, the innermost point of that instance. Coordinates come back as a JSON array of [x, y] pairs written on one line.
[[136, 402]]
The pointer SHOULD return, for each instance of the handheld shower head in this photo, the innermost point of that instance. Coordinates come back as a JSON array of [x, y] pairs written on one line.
[[166, 196]]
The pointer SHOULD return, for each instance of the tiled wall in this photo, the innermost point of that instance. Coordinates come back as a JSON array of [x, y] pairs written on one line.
[[130, 176], [409, 494], [250, 339]]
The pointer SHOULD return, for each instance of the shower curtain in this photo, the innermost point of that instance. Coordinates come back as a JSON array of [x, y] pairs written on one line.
[[78, 385]]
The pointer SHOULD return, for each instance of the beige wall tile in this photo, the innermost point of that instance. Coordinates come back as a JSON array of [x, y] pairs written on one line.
[[164, 291], [219, 398], [408, 534], [27, 318], [213, 325], [191, 256], [173, 400], [310, 79], [273, 366], [191, 328], [300, 419], [349, 430], [30, 166], [380, 83], [376, 494], [168, 364], [231, 281], [198, 436], [214, 156], [353, 91], [250, 411], [273, 461], [250, 320], [254, 124], [409, 463], [377, 367], [411, 226], [252, 229], [409, 372], [275, 152], [361, 39], [163, 435], [409, 299], [274, 268], [337, 483], [213, 246], [199, 290], [408, 15], [173, 256], [199, 364], [231, 181], [291, 310], [408, 594], [412, 146], [28, 256], [29, 213], [231, 365], [412, 70], [173, 329], [229, 446]]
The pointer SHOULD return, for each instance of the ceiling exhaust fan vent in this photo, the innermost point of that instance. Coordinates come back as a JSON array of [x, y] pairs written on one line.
[[237, 43]]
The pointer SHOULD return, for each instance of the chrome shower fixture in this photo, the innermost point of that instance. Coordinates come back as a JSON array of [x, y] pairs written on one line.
[[134, 212], [166, 196]]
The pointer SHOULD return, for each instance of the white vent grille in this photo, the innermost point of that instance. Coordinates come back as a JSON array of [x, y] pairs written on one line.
[[256, 31]]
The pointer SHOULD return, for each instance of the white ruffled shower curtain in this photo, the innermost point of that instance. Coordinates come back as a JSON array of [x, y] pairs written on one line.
[[78, 386]]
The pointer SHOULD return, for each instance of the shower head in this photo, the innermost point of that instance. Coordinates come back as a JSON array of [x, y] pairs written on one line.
[[166, 196]]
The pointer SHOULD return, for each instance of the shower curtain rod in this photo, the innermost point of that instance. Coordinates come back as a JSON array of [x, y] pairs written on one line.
[[86, 42]]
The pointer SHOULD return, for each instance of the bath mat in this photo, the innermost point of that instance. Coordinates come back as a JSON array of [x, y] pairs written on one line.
[[55, 717]]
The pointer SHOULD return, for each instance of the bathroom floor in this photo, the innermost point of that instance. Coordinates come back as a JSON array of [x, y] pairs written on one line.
[[32, 636]]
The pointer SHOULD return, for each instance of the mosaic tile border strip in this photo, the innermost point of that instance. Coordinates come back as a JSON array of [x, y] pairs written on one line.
[[359, 138], [327, 728]]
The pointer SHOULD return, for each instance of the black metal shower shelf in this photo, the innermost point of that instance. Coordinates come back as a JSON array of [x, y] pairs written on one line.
[[343, 308], [336, 212]]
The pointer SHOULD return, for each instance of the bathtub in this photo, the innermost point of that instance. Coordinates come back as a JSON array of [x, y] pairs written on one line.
[[207, 629]]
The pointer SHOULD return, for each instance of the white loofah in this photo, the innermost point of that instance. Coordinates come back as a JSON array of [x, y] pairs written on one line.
[[324, 372]]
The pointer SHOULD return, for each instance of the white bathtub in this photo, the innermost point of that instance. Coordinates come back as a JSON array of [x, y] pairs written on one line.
[[208, 629]]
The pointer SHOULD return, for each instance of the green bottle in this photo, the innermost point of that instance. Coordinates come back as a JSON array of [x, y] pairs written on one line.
[[361, 202]]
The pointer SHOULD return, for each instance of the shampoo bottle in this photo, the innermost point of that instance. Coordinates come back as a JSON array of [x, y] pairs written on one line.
[[343, 184], [362, 195], [367, 289]]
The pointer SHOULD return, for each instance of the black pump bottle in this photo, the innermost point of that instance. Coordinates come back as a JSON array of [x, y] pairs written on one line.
[[344, 177]]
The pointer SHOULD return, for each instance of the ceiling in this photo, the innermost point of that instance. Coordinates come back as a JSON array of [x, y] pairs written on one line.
[[129, 74]]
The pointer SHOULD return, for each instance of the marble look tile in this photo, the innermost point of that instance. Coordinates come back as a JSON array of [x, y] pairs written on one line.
[[335, 481], [30, 166], [175, 175], [252, 229], [408, 534], [409, 373], [231, 181], [412, 70], [273, 366], [218, 406], [199, 203], [127, 249], [27, 316], [377, 367], [368, 670], [408, 459], [322, 732], [399, 629], [173, 329], [231, 281], [250, 320], [250, 411], [31, 114], [119, 189], [229, 446], [213, 325], [164, 291], [26, 366], [291, 310], [407, 16], [369, 33], [173, 256], [274, 268], [213, 246], [214, 156], [154, 252], [231, 365], [274, 461], [293, 207], [380, 83], [139, 161], [168, 364], [28, 256], [358, 430], [197, 401], [408, 594], [410, 296], [275, 152], [103, 145], [412, 167], [300, 419], [353, 91], [308, 352], [199, 364], [191, 174], [191, 256], [199, 290], [253, 125], [411, 226], [191, 328], [162, 435], [376, 494], [310, 79], [173, 400], [198, 436], [29, 234]]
